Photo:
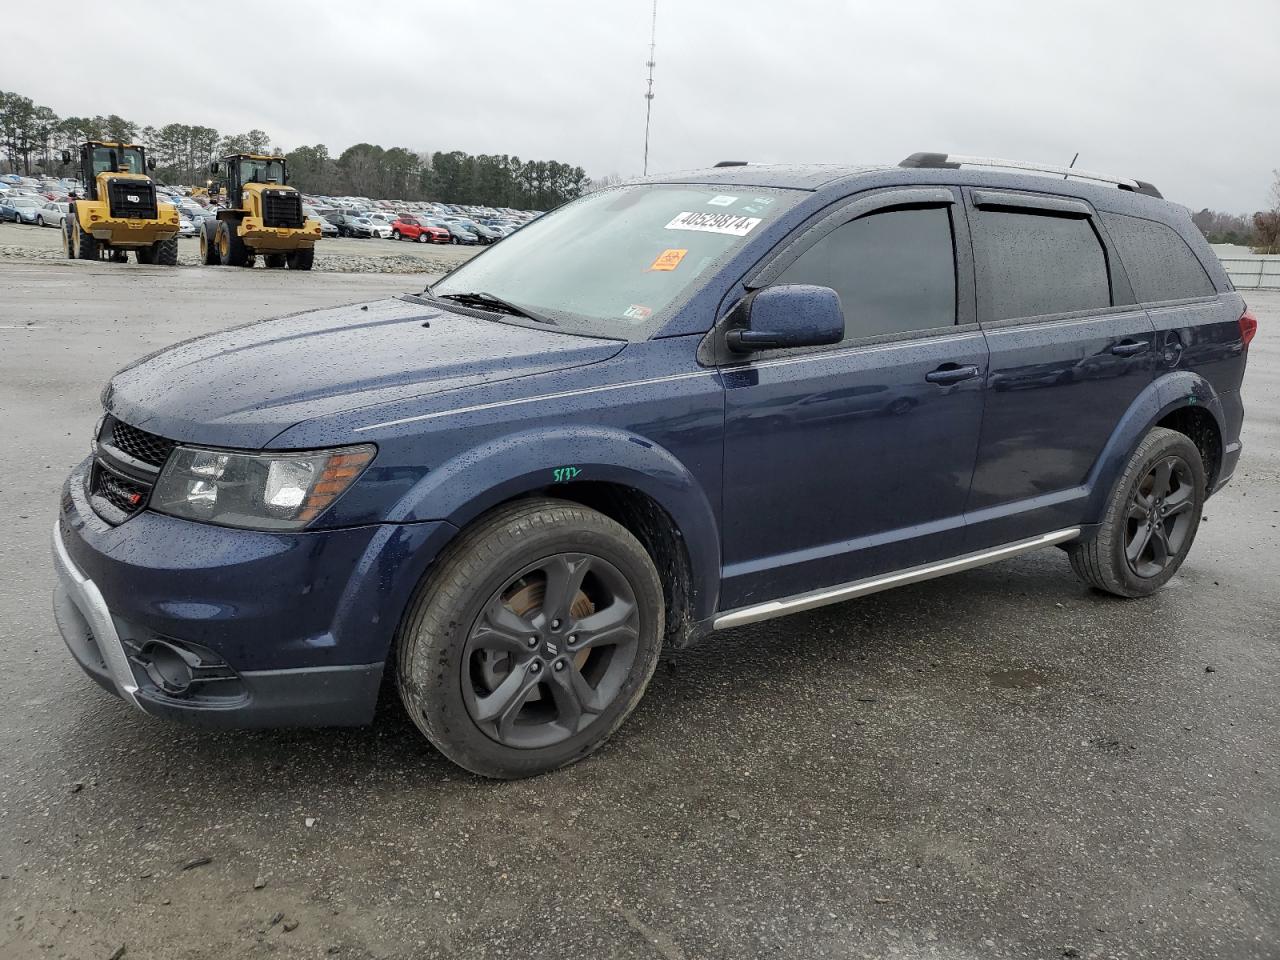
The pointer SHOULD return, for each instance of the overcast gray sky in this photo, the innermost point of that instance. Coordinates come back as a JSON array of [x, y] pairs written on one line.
[[1178, 92]]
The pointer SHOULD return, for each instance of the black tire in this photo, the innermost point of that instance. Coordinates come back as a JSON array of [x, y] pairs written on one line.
[[146, 255], [301, 259], [86, 246], [231, 249], [1150, 523], [450, 656], [208, 243], [274, 261], [40, 220], [166, 252], [67, 246]]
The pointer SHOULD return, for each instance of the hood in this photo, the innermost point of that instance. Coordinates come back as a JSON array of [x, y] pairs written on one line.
[[242, 387]]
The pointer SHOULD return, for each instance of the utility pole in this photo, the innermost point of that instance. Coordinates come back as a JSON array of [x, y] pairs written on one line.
[[648, 97]]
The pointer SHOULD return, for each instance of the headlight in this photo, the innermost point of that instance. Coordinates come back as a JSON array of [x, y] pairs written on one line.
[[260, 491]]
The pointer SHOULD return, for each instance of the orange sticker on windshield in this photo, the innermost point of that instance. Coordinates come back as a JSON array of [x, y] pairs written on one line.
[[668, 260]]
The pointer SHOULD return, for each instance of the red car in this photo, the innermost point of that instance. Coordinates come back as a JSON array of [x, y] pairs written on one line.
[[410, 228]]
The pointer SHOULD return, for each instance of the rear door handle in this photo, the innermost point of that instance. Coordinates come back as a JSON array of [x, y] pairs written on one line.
[[1130, 348], [950, 373]]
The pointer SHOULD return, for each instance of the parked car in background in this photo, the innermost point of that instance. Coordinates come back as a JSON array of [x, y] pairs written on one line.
[[327, 229], [186, 226], [363, 226], [52, 213], [23, 208], [411, 228], [457, 232]]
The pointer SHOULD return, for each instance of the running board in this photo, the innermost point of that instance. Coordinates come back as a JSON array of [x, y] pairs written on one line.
[[860, 588]]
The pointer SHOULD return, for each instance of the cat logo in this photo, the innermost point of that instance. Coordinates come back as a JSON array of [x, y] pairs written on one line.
[[133, 198]]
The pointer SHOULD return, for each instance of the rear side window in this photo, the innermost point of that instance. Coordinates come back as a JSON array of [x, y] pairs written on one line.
[[1160, 264], [1035, 264], [895, 271]]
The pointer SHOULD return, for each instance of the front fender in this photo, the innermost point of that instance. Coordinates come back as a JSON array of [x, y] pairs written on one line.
[[1178, 388], [461, 489]]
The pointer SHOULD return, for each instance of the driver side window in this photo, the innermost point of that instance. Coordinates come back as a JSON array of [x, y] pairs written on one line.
[[894, 270]]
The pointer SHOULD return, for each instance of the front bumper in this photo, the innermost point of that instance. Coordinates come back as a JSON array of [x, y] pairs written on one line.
[[280, 629]]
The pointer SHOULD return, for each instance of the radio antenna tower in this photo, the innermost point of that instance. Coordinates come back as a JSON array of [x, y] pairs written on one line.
[[648, 97]]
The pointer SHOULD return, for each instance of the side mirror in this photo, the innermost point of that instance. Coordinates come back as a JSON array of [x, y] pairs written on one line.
[[151, 164], [791, 315], [66, 156]]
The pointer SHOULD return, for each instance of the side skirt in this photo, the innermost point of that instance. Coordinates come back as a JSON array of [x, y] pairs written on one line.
[[861, 588]]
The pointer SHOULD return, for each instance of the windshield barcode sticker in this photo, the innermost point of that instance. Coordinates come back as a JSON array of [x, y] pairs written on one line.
[[726, 223]]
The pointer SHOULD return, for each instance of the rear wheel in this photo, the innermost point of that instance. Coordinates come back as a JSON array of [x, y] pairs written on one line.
[[86, 247], [1151, 519], [301, 259], [166, 252], [274, 261], [231, 249], [532, 640], [209, 243]]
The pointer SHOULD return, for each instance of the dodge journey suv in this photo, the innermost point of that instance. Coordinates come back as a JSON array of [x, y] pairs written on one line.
[[672, 407]]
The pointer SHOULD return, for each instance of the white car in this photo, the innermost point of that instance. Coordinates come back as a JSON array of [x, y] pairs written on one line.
[[52, 214], [186, 227]]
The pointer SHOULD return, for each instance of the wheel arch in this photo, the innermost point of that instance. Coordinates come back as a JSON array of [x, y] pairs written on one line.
[[1181, 400], [637, 483]]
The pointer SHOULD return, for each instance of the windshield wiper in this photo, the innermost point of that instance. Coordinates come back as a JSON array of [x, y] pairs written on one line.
[[489, 301]]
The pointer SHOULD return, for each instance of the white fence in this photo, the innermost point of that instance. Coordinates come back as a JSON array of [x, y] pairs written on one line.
[[1253, 273]]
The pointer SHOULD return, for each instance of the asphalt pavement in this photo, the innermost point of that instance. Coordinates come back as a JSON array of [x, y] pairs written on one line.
[[1000, 764]]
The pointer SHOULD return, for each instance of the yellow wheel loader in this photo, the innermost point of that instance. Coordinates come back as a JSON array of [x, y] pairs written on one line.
[[119, 211], [262, 215]]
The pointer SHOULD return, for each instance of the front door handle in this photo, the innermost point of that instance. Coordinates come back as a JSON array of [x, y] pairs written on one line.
[[1130, 348], [950, 373]]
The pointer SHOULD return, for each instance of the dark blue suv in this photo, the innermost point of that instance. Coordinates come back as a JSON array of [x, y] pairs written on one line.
[[675, 406]]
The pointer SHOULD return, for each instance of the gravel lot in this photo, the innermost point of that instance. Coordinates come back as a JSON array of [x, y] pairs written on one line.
[[334, 255], [995, 765]]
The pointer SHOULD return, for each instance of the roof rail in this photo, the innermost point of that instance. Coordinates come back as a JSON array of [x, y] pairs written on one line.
[[732, 163], [952, 161]]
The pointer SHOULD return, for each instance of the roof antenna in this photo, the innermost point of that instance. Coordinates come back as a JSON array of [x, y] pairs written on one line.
[[1071, 164], [648, 97]]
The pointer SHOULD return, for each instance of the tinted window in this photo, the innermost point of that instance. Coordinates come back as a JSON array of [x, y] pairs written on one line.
[[1033, 264], [1160, 264], [895, 271]]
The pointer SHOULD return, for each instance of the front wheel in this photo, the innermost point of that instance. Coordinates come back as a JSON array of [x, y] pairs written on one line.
[[532, 640], [424, 237], [1151, 519]]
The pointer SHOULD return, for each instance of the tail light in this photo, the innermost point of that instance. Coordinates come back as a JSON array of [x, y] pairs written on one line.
[[1248, 326]]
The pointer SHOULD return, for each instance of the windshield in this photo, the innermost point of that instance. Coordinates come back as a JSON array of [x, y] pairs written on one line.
[[611, 263], [117, 160], [261, 171]]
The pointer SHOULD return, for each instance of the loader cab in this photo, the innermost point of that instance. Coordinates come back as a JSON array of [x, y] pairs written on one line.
[[238, 171], [97, 158]]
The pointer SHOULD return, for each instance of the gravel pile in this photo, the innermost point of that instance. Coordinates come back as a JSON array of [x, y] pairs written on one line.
[[189, 256]]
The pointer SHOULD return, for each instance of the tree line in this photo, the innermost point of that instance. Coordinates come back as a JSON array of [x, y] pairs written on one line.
[[33, 137]]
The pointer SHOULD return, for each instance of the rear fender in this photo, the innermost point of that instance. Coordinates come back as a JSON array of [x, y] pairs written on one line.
[[544, 460], [1179, 388]]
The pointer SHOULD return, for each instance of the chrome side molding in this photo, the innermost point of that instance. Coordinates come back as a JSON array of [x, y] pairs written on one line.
[[887, 581]]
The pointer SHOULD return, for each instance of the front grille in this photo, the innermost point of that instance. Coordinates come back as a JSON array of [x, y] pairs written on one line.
[[132, 199], [138, 444], [126, 466], [282, 208], [125, 495]]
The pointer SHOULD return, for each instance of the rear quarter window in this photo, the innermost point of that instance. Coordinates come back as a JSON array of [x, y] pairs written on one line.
[[1159, 263], [1037, 264]]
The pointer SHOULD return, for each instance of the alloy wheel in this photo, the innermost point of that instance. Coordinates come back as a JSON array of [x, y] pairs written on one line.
[[1158, 524], [550, 651]]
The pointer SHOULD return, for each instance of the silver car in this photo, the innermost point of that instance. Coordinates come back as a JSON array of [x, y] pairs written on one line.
[[53, 213]]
